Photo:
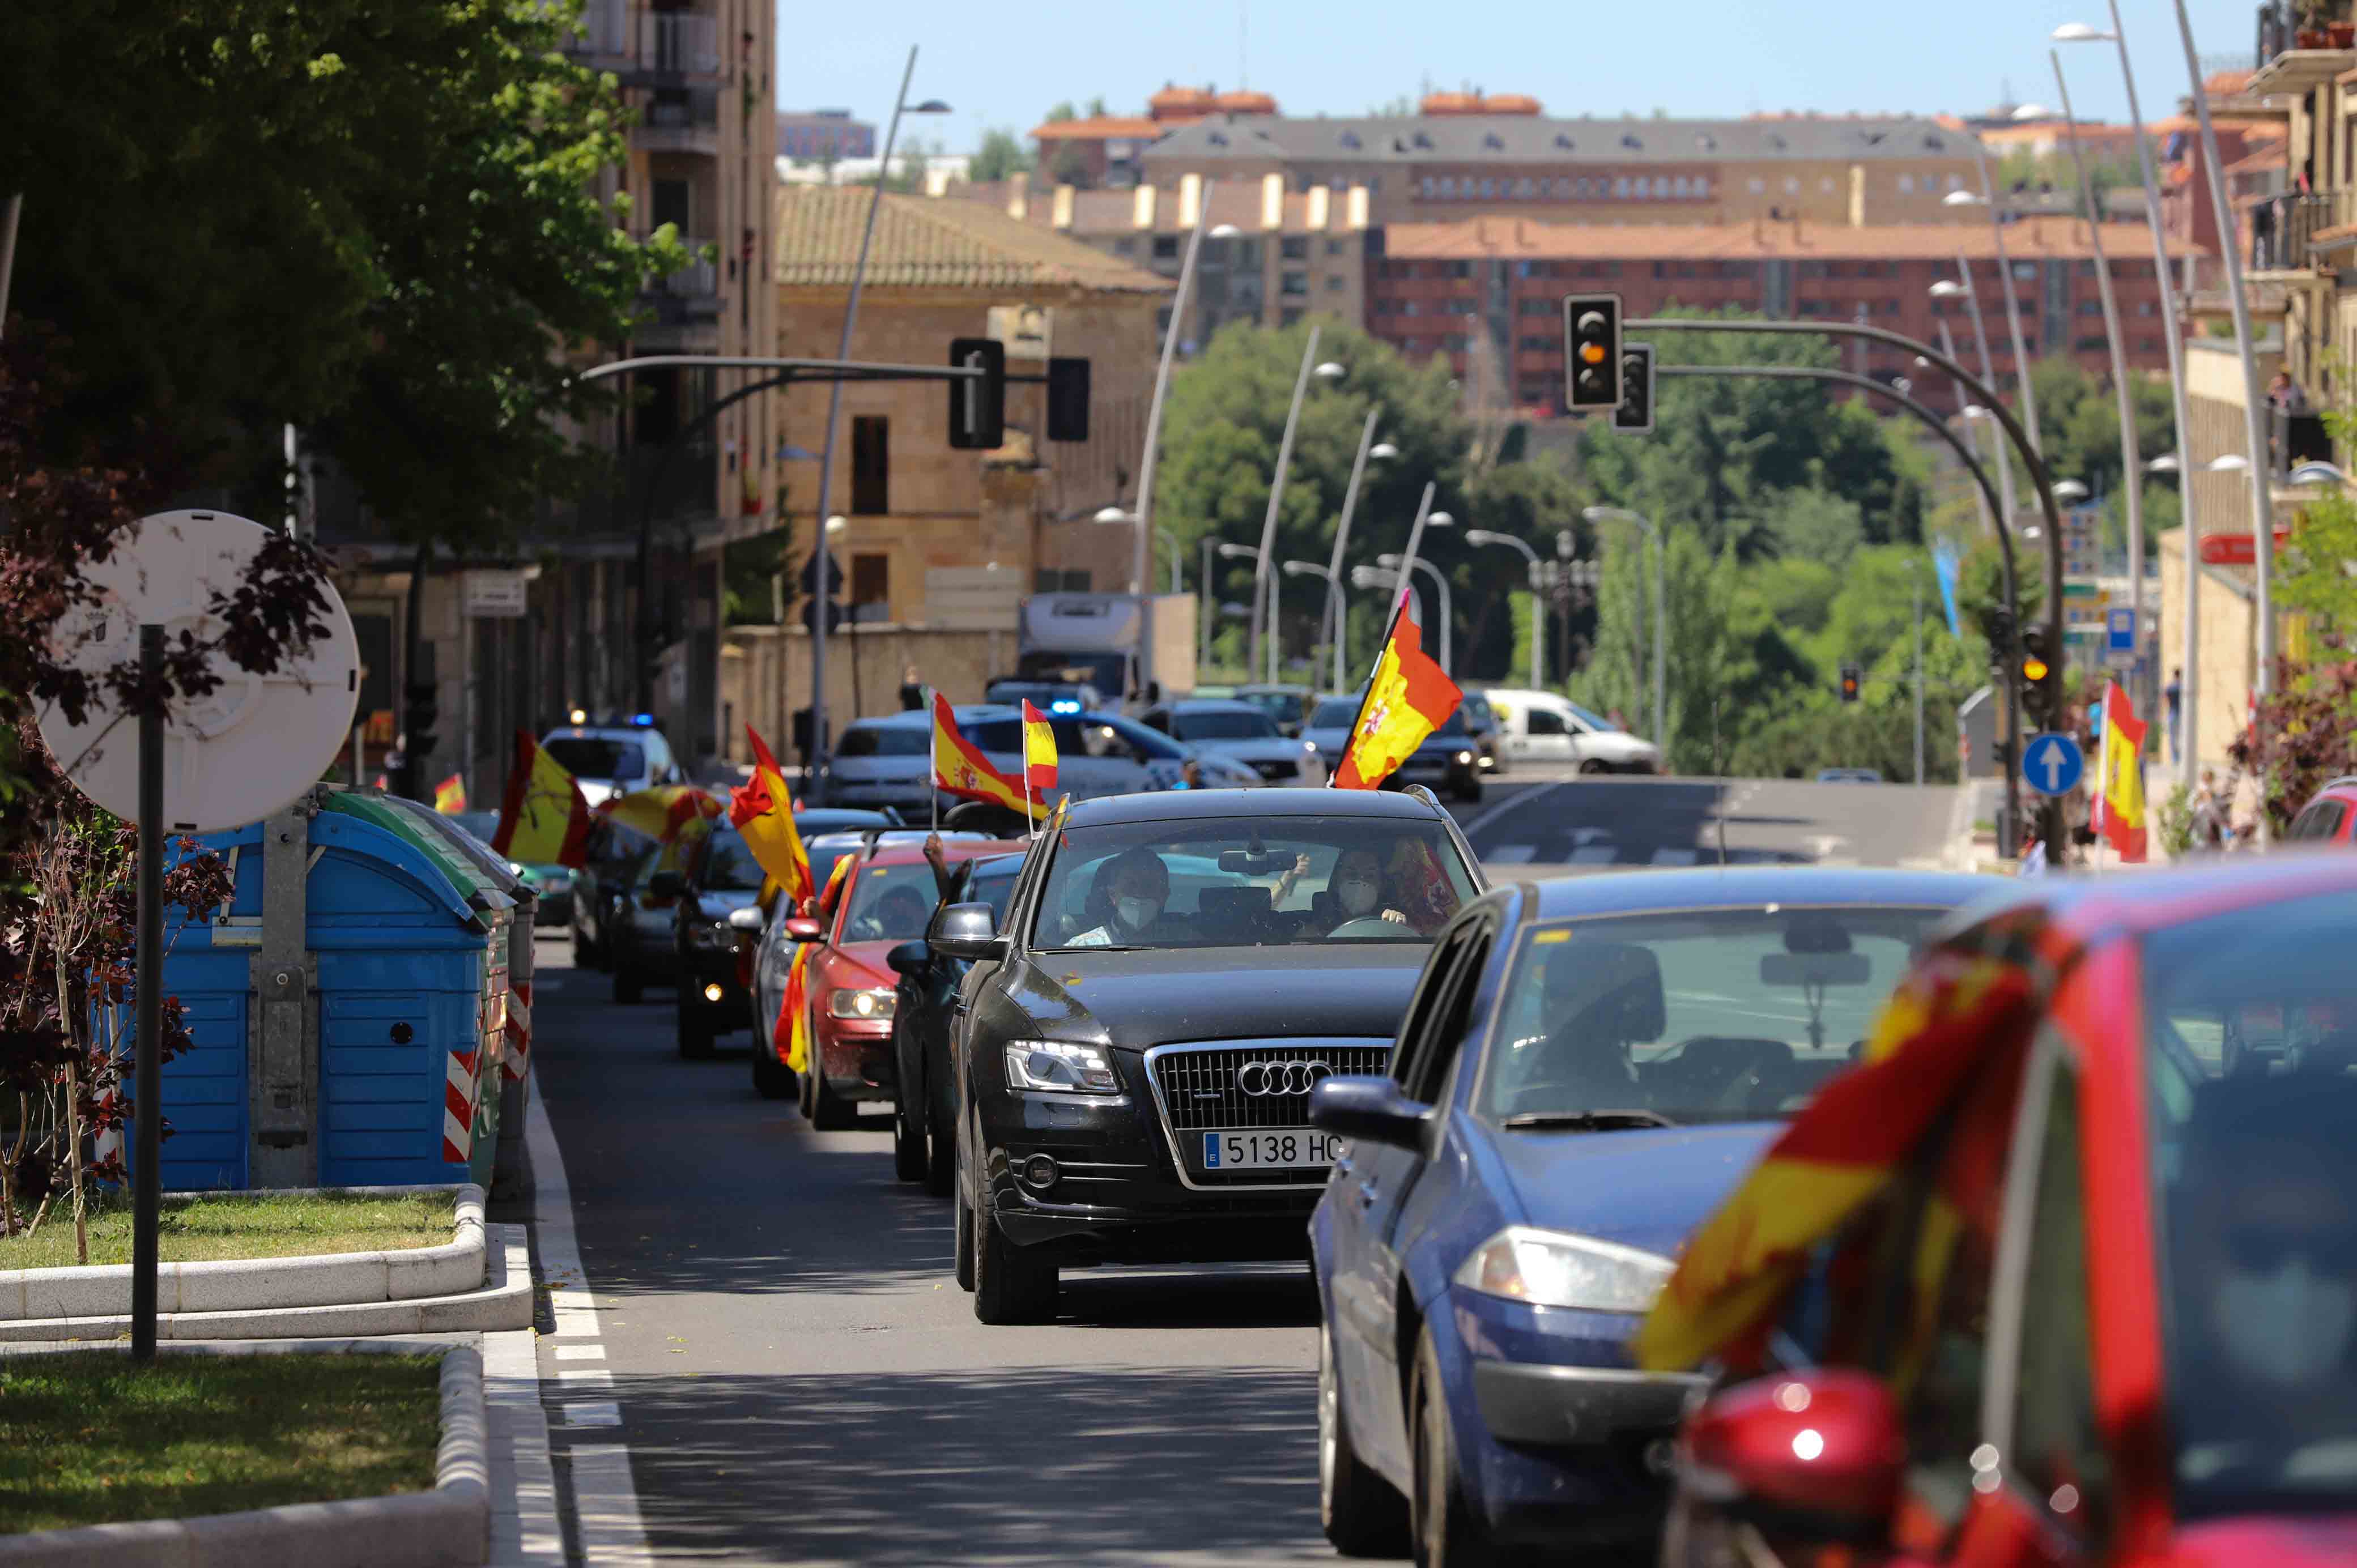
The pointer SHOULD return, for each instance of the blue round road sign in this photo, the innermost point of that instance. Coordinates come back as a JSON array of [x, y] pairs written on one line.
[[2050, 763]]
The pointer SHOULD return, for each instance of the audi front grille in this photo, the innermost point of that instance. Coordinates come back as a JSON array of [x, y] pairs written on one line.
[[1242, 1085]]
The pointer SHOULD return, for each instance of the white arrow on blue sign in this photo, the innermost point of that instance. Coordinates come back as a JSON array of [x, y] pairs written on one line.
[[2051, 764]]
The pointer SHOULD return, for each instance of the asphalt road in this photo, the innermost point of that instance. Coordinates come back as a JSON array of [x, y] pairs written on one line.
[[799, 1380]]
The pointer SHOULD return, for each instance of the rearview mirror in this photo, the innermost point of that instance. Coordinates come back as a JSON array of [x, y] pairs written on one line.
[[910, 959], [1815, 968], [1815, 1453], [1369, 1109], [968, 931], [749, 918], [1244, 863], [800, 930], [666, 885]]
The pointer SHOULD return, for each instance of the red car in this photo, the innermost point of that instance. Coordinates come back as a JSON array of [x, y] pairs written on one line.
[[2066, 1273], [887, 897], [2330, 818]]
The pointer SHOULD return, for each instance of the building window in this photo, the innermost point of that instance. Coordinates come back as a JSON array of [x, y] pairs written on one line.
[[1336, 247], [871, 580], [2092, 345], [1906, 185], [1488, 190], [1162, 322], [1294, 248], [1428, 186], [1447, 188], [1336, 283], [1125, 246], [871, 465], [1701, 186], [1621, 185], [1288, 318], [2090, 307], [1293, 284], [1792, 185], [1955, 182], [1248, 254], [1536, 345], [1527, 306], [2025, 272], [1165, 247], [1411, 308], [1049, 580]]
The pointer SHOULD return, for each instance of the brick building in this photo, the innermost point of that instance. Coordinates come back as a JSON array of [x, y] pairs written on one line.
[[826, 136], [1435, 286]]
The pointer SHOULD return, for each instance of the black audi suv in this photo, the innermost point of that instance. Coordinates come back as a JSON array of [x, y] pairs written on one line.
[[1174, 972]]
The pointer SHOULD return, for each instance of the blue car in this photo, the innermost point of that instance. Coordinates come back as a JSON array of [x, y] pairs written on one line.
[[1587, 1068]]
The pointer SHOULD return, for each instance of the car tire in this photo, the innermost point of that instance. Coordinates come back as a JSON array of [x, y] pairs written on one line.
[[1591, 766], [1446, 1533], [941, 1169], [694, 1031], [772, 1079], [1012, 1284], [584, 955], [629, 985], [908, 1162], [827, 1110], [1362, 1514]]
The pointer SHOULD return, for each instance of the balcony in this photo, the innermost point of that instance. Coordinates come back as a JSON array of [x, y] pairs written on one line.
[[2283, 230], [673, 47], [2293, 57], [681, 122], [604, 40], [684, 303]]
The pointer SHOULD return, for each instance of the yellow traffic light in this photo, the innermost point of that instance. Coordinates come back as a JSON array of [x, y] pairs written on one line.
[[1591, 353], [2033, 669]]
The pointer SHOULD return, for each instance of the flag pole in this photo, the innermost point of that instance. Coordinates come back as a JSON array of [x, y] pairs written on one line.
[[1399, 600], [933, 761]]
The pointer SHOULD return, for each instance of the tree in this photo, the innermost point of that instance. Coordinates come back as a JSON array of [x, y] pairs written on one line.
[[1072, 167], [2304, 732], [1001, 156], [1061, 112]]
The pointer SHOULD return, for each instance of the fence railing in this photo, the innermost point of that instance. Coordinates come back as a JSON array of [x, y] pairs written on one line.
[[680, 42]]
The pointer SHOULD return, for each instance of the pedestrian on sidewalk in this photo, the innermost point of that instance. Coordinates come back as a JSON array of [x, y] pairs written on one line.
[[912, 691], [2172, 698]]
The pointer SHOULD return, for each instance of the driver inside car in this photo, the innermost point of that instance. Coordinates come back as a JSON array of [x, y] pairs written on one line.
[[899, 915], [1603, 997], [1126, 900], [1354, 891]]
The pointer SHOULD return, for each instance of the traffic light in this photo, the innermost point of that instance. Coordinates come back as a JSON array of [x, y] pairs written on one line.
[[978, 404], [1591, 338], [1850, 677], [1067, 400], [2037, 687], [1635, 413]]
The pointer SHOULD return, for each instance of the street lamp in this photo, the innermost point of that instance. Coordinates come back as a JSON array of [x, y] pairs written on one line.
[[1961, 286], [1477, 536], [2070, 492], [1138, 572], [1115, 515], [1440, 520], [824, 589], [1264, 581], [1341, 605], [1334, 601], [1390, 562], [1602, 514]]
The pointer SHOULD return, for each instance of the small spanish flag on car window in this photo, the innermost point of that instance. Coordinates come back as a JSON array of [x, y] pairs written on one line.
[[1408, 698], [961, 770], [1039, 749]]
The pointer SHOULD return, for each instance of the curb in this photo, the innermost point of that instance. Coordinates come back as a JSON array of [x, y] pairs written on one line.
[[449, 1526], [246, 1284], [503, 1302]]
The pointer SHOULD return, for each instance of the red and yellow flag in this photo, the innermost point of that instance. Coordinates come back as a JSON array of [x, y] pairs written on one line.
[[543, 820], [450, 796], [2119, 802], [1038, 750], [1409, 697], [663, 812], [1949, 1017], [764, 813], [960, 769], [790, 1039]]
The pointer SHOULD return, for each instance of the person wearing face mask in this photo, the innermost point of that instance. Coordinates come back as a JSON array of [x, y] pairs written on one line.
[[1354, 891], [1131, 889]]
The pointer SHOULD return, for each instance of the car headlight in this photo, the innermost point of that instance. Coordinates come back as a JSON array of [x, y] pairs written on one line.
[[1061, 1068], [1464, 756], [1548, 1268], [870, 1004]]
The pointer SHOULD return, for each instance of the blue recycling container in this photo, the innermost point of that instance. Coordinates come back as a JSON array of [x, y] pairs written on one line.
[[391, 1006]]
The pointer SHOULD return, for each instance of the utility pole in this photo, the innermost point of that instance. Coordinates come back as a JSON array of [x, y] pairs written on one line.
[[1915, 575]]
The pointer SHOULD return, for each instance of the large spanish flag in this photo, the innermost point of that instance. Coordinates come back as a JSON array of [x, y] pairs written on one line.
[[1038, 750], [2119, 807], [790, 1037], [663, 812], [960, 769], [544, 819], [1409, 697], [764, 813], [1948, 1044]]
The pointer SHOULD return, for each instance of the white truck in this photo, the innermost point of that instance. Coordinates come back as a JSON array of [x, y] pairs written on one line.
[[1097, 640]]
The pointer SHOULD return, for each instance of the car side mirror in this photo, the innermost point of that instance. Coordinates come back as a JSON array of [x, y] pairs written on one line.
[[1814, 1454], [800, 930], [750, 919], [910, 959], [666, 885], [1371, 1110], [966, 931]]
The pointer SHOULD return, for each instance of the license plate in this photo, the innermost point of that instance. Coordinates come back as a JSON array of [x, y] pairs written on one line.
[[1269, 1148]]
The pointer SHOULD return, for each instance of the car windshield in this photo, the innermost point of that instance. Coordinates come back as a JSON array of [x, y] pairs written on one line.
[[1284, 707], [890, 903], [1592, 721], [597, 758], [1255, 882], [728, 866], [885, 740], [1222, 724], [1095, 734], [1335, 713], [2252, 1056], [1691, 1016]]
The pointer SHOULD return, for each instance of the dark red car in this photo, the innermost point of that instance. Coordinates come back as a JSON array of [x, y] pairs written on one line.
[[2085, 1291]]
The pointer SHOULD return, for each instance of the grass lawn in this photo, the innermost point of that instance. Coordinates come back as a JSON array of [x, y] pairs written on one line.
[[92, 1439], [200, 1226]]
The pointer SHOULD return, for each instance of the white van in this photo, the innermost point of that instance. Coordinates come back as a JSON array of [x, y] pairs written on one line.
[[1541, 727]]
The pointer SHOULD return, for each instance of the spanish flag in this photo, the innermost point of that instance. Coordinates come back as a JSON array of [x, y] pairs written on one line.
[[764, 813], [663, 812], [2119, 803], [450, 796], [1408, 698], [543, 820], [1949, 1046], [791, 1036], [960, 769], [1038, 750]]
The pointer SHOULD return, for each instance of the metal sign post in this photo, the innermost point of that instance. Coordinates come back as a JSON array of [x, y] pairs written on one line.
[[148, 1082]]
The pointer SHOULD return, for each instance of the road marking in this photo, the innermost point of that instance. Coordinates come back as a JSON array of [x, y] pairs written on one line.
[[1483, 818], [581, 1352], [576, 1378], [606, 1506], [606, 1412]]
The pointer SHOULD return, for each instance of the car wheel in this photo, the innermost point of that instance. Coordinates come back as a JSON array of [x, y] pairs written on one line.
[[941, 1170], [907, 1137], [694, 1031], [1362, 1514], [772, 1079], [584, 955], [1594, 765], [827, 1110], [1010, 1284], [629, 985], [963, 1265], [1446, 1534]]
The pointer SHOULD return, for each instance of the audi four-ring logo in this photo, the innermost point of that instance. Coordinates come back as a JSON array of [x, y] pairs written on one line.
[[1261, 1079]]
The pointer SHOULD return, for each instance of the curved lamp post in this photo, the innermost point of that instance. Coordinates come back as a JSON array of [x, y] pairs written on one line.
[[1369, 448], [1538, 611], [1600, 514], [1390, 562]]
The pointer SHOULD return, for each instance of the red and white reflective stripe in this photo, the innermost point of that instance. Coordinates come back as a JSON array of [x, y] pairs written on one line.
[[518, 1051], [459, 1109]]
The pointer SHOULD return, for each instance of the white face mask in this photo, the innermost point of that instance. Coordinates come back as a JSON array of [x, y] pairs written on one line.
[[1356, 897], [2289, 1326], [1134, 912]]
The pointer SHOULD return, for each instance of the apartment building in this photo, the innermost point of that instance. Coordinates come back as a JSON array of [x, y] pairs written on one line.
[[1434, 287], [824, 135], [1102, 151]]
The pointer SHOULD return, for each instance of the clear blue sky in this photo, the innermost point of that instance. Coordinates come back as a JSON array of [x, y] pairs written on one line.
[[1005, 65]]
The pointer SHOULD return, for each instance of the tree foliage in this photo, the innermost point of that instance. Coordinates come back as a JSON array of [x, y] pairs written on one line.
[[1001, 156], [2304, 733]]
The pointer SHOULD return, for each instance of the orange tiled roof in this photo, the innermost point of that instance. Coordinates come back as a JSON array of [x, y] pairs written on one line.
[[1523, 239], [935, 242], [1100, 128]]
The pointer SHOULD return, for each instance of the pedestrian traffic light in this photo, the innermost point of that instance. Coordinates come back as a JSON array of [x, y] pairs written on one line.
[[1850, 678], [1635, 413], [1591, 335], [1067, 400], [2036, 685], [978, 403]]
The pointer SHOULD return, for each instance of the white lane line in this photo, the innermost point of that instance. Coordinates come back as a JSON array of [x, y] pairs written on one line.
[[605, 1498], [581, 1352], [578, 1380], [525, 1530], [607, 1507], [1515, 802]]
